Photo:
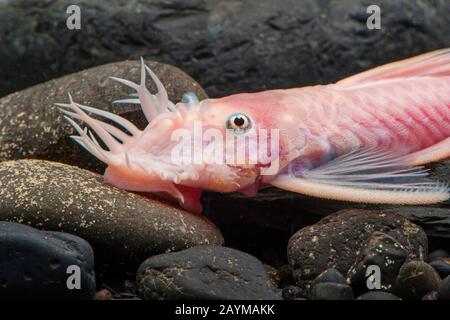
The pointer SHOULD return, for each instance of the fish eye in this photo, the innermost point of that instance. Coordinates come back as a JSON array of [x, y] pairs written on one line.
[[238, 122]]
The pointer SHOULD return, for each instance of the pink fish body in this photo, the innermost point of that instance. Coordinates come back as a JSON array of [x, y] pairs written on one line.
[[360, 139]]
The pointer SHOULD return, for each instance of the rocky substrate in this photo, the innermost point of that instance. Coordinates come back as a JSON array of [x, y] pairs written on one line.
[[277, 245], [66, 234]]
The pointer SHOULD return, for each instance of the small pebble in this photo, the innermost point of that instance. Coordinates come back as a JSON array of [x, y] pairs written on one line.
[[378, 295], [204, 272], [444, 289], [104, 294], [293, 293], [329, 275], [432, 295], [331, 291], [415, 279], [437, 255], [383, 252], [442, 266]]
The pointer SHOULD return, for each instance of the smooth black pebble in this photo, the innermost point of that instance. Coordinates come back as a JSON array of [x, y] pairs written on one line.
[[442, 266], [331, 291], [44, 265], [444, 289]]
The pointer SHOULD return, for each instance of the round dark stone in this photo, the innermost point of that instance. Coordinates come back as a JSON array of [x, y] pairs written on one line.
[[331, 291], [378, 295], [442, 266], [444, 289], [382, 253], [338, 239], [415, 279], [437, 255], [59, 197], [44, 265], [330, 275], [204, 272], [293, 293]]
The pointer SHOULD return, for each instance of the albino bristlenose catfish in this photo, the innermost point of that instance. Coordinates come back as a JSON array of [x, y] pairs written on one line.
[[362, 139]]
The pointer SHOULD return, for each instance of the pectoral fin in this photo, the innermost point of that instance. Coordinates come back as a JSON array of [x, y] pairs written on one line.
[[367, 176]]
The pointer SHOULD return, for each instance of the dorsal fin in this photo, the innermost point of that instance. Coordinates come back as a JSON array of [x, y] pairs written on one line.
[[433, 64]]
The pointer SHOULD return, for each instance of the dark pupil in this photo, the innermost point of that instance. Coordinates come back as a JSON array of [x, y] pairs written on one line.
[[239, 121]]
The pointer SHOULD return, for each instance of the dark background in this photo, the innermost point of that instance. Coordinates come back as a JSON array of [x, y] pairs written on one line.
[[228, 46]]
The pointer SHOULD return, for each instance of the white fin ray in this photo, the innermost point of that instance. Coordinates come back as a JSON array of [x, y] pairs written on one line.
[[122, 136], [108, 115], [106, 137], [127, 101], [367, 176], [152, 105], [370, 168]]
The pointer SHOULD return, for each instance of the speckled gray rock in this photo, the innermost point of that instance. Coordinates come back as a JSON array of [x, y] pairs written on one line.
[[123, 228], [336, 241], [205, 272], [38, 264], [229, 46], [434, 221], [32, 127]]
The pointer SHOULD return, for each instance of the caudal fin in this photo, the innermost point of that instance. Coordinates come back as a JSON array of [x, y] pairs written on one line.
[[432, 64]]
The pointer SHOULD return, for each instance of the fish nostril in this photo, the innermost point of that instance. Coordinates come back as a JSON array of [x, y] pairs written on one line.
[[189, 99]]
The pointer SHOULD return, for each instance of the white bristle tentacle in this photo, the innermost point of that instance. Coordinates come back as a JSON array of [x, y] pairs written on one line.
[[111, 116], [163, 98], [82, 142], [122, 136], [150, 104], [75, 125], [128, 101], [91, 146], [91, 135], [106, 137]]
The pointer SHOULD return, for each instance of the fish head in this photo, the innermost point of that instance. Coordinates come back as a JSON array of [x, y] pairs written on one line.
[[186, 147]]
